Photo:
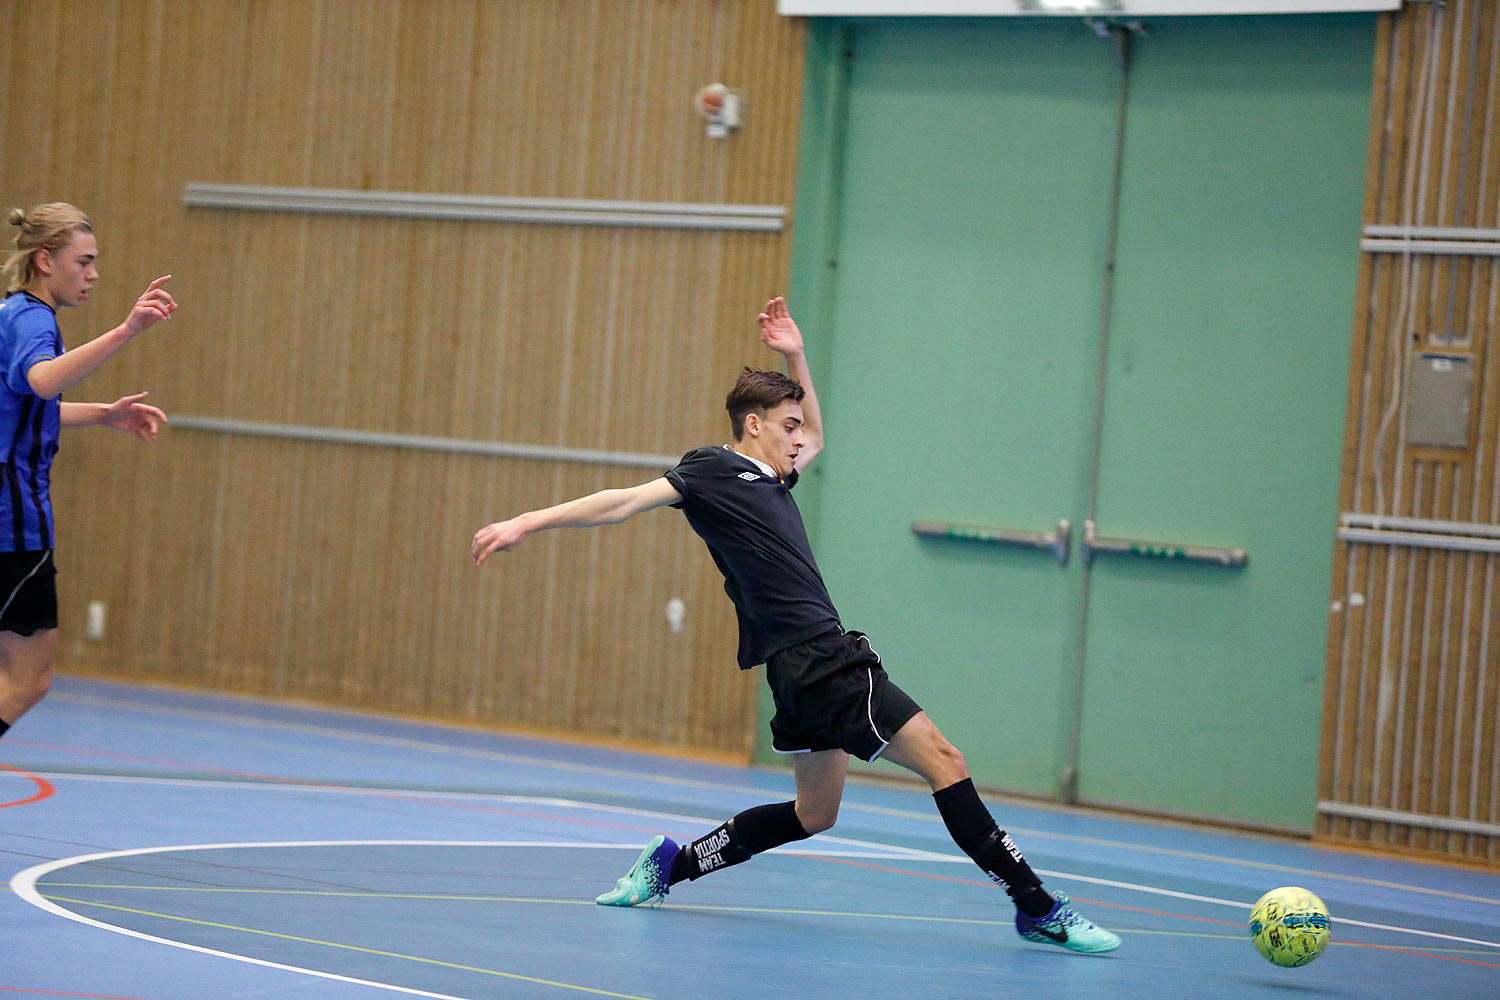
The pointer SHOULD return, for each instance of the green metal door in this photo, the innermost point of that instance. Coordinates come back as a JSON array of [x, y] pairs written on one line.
[[955, 290], [960, 367], [1223, 416]]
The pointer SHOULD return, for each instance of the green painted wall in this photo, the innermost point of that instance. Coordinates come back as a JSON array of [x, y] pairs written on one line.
[[949, 252]]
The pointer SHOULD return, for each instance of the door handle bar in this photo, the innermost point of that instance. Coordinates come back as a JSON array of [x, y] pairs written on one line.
[[1055, 541], [1158, 550]]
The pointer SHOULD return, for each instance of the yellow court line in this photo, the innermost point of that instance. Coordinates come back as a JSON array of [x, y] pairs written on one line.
[[351, 947], [1192, 934], [840, 913], [918, 918], [705, 908], [443, 896], [1333, 943]]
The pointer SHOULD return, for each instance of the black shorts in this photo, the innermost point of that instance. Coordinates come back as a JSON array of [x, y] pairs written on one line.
[[831, 693], [28, 592]]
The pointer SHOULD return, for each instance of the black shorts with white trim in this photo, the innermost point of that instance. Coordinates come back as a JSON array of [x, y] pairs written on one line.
[[28, 592], [831, 693]]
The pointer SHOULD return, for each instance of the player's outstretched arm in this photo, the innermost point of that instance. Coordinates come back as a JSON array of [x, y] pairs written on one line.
[[126, 414], [780, 333], [56, 376], [604, 507]]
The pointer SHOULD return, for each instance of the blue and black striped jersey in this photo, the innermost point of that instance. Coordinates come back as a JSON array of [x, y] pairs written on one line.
[[28, 423]]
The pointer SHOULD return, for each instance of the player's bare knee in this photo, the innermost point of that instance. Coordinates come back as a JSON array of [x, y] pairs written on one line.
[[31, 686], [816, 820], [951, 761], [41, 683], [824, 821]]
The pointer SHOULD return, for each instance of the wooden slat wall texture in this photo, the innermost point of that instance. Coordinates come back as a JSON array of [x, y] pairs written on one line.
[[1412, 705], [340, 573]]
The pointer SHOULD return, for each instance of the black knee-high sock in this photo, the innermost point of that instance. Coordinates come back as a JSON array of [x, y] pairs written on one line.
[[974, 829], [737, 840]]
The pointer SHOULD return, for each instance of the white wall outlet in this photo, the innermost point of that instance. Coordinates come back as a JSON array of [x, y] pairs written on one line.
[[95, 628]]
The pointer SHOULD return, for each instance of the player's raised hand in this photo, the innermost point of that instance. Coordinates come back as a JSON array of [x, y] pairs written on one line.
[[154, 305], [132, 416], [497, 537], [778, 330]]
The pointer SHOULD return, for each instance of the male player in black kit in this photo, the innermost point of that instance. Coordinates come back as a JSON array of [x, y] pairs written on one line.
[[832, 696]]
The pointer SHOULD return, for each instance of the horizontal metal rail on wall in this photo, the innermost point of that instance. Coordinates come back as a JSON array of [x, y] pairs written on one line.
[[1223, 556], [1440, 240], [1474, 529], [486, 208], [1055, 542], [457, 446], [1426, 820], [1419, 532]]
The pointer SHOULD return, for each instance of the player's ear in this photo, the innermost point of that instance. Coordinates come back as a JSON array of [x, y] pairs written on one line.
[[752, 423]]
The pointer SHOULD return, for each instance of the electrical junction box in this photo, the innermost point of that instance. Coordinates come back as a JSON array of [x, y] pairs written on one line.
[[1442, 387]]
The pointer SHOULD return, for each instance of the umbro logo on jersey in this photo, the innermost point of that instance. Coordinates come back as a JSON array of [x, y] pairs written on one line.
[[749, 477]]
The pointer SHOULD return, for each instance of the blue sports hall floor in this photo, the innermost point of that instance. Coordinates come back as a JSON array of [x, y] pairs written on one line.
[[162, 845]]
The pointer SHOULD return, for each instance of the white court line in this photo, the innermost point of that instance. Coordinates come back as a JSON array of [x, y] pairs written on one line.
[[410, 744], [1169, 852], [867, 850], [645, 776], [23, 884], [1246, 906]]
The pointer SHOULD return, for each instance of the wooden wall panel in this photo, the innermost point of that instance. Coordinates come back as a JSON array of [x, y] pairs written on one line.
[[339, 572], [1412, 696]]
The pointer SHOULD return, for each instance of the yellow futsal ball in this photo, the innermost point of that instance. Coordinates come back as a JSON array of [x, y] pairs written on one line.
[[1289, 926]]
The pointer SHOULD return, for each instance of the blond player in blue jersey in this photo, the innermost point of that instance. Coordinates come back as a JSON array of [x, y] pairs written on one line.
[[50, 267]]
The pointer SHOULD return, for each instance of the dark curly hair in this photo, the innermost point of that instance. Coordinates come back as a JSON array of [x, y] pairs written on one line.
[[758, 391]]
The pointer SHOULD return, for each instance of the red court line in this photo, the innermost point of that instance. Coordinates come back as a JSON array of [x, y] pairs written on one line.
[[54, 993], [44, 790], [257, 777], [447, 803], [1424, 954], [163, 761], [1159, 913]]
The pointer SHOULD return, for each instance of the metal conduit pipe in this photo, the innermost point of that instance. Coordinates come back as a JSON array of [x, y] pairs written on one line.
[[1396, 816], [458, 446], [1486, 603], [1416, 174], [1378, 522], [1465, 233], [1420, 540], [485, 208]]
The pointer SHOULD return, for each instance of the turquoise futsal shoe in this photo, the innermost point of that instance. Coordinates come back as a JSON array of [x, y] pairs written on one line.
[[647, 878], [1066, 928]]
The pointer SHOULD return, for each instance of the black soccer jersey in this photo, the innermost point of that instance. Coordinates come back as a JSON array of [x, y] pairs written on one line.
[[754, 532]]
